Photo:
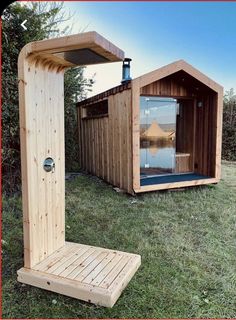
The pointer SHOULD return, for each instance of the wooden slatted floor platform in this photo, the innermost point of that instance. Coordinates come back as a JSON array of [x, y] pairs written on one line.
[[84, 272]]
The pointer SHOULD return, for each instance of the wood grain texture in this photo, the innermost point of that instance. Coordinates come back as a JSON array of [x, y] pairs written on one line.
[[107, 142], [182, 163], [53, 49], [174, 67], [199, 125], [175, 185], [84, 272], [42, 136], [49, 263], [41, 66]]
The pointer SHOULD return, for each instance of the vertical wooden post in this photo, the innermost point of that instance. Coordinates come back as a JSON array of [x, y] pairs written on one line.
[[136, 133], [219, 115], [41, 66], [41, 92]]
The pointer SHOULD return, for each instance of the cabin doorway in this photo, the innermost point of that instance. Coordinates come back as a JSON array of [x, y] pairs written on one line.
[[166, 137]]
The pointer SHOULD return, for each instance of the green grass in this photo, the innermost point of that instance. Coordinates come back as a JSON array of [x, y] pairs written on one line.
[[187, 241]]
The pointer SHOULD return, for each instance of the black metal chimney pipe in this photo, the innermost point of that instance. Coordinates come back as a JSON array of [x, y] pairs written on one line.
[[126, 70]]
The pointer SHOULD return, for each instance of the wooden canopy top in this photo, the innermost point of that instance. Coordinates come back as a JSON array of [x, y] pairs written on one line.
[[75, 50]]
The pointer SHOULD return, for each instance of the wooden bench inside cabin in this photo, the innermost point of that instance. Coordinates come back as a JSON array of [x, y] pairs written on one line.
[[182, 164]]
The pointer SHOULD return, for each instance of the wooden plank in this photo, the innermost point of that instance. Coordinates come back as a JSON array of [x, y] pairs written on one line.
[[83, 144], [129, 144], [123, 278], [103, 146], [77, 262], [93, 255], [206, 141], [194, 133], [123, 141], [106, 271], [87, 133], [63, 266], [53, 258], [89, 40], [99, 147], [104, 95], [41, 227], [90, 146], [218, 130], [136, 133], [64, 259], [105, 135], [120, 133], [93, 147], [115, 141], [182, 162], [173, 68], [95, 272], [86, 146], [78, 245], [111, 139], [93, 265], [173, 185], [118, 282], [115, 271], [84, 291], [65, 286], [84, 273]]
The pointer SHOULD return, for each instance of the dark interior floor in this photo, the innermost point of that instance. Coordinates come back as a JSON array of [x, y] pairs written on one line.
[[171, 178]]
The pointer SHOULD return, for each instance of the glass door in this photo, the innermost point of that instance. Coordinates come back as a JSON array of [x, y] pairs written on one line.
[[157, 136]]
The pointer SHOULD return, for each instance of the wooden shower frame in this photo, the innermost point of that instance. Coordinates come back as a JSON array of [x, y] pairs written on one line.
[[85, 272]]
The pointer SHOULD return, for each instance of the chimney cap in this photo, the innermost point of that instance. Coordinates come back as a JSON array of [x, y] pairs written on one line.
[[127, 59]]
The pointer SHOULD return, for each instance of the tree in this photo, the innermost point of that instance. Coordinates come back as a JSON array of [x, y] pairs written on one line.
[[43, 20], [229, 126]]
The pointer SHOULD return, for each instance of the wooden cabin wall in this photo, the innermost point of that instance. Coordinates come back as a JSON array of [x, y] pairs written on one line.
[[165, 87], [205, 137], [105, 142]]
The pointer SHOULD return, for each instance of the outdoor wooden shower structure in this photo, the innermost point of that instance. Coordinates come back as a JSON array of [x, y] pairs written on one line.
[[159, 131], [81, 271]]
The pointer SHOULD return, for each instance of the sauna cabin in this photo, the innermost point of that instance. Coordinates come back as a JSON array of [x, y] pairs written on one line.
[[159, 131]]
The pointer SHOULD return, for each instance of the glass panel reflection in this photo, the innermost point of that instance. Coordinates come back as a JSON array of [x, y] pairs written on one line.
[[157, 135]]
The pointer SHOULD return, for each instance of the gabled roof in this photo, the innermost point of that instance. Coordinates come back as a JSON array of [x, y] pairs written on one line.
[[156, 75], [173, 68]]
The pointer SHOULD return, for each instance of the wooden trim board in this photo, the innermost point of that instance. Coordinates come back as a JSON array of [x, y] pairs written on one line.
[[53, 50], [175, 185], [175, 67], [84, 272]]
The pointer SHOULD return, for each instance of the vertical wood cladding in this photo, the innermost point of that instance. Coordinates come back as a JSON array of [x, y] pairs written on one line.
[[105, 142]]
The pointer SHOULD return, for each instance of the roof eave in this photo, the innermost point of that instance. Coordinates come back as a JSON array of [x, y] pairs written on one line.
[[174, 67]]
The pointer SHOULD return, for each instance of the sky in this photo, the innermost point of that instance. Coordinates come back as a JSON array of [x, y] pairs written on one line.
[[154, 34]]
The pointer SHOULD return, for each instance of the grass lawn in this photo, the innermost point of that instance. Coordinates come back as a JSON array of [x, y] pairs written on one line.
[[187, 241]]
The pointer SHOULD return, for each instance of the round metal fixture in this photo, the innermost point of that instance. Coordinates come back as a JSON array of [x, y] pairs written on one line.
[[49, 165]]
